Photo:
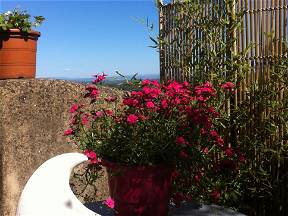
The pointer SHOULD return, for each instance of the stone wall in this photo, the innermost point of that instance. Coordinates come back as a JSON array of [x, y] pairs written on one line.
[[33, 116]]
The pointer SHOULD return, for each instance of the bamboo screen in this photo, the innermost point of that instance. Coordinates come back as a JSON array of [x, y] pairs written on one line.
[[263, 26]]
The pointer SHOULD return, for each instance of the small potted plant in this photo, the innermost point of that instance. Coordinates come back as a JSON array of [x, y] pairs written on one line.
[[18, 44], [157, 142]]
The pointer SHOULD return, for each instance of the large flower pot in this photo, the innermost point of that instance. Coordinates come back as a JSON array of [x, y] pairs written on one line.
[[139, 190], [18, 54]]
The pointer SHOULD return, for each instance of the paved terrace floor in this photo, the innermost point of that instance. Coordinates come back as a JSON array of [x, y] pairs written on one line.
[[185, 210]]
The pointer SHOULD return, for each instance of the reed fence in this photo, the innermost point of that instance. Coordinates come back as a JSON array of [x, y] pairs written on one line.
[[264, 26], [260, 38]]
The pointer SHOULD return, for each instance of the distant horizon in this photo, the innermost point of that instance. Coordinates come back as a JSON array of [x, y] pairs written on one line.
[[109, 76]]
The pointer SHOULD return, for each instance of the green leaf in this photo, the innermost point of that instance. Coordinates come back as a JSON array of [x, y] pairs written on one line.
[[151, 38]]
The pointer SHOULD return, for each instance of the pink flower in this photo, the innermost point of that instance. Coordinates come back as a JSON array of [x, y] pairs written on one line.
[[213, 133], [228, 86], [92, 91], [150, 105], [156, 83], [109, 202], [155, 93], [228, 152], [186, 84], [99, 78], [205, 150], [99, 114], [180, 140], [92, 156], [241, 156], [145, 82], [74, 108], [203, 132], [132, 119], [68, 132], [147, 90], [220, 141], [164, 104], [130, 102], [84, 119]]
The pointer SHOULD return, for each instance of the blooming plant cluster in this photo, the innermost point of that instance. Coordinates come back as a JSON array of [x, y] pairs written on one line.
[[17, 19], [172, 124]]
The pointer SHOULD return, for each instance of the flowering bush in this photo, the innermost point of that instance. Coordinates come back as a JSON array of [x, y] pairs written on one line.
[[172, 124], [17, 19]]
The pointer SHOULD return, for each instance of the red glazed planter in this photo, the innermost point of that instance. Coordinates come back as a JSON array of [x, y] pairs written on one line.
[[18, 54], [139, 191]]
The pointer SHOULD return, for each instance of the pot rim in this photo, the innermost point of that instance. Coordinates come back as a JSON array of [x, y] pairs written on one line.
[[18, 31], [110, 164]]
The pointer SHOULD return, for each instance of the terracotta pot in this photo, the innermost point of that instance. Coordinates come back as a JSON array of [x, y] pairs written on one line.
[[139, 190], [18, 54]]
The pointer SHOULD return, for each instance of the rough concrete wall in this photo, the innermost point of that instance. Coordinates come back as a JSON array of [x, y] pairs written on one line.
[[33, 116]]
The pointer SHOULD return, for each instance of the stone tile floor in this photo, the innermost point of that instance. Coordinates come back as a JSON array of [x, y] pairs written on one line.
[[187, 209]]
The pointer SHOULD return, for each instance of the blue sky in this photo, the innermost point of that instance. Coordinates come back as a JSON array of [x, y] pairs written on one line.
[[82, 38]]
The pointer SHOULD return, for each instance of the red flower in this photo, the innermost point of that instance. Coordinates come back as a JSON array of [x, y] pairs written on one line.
[[156, 83], [145, 82], [92, 91], [213, 133], [99, 114], [205, 150], [180, 140], [92, 156], [99, 78], [132, 119], [228, 86], [220, 141], [150, 105], [164, 104], [183, 154], [215, 195], [155, 93], [197, 179], [68, 132], [109, 202], [147, 90], [84, 119], [229, 152], [74, 108], [241, 156], [130, 102]]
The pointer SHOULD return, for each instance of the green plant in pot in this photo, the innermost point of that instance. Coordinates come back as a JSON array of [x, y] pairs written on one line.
[[21, 20], [158, 143], [18, 44]]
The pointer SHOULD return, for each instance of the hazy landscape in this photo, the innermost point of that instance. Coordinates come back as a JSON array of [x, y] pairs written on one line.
[[112, 80]]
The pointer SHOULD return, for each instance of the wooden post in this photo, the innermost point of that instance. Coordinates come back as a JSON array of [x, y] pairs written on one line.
[[161, 38]]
